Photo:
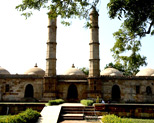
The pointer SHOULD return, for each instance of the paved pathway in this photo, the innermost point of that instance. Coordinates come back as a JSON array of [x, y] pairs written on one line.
[[71, 104], [79, 121], [49, 114]]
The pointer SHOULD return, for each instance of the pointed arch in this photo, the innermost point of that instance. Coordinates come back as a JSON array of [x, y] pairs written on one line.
[[72, 92], [148, 90], [29, 91], [116, 94]]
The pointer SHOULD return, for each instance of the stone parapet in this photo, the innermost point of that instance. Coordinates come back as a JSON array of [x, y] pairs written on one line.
[[72, 77], [127, 77], [16, 76]]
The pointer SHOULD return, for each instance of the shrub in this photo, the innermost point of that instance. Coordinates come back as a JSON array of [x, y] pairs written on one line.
[[28, 116], [55, 102], [114, 119], [87, 102]]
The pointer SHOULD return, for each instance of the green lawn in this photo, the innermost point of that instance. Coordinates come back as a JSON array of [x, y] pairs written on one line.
[[140, 120], [115, 119]]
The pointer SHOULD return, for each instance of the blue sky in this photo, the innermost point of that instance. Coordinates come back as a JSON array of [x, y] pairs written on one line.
[[23, 42]]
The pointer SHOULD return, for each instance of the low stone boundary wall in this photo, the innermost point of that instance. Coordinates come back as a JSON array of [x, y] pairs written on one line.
[[127, 110], [15, 108]]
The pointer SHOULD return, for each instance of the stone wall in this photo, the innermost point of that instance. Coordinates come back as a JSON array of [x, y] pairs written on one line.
[[15, 108], [128, 88], [127, 110], [13, 87]]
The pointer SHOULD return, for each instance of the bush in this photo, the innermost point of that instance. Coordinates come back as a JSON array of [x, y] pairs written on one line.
[[28, 116], [87, 102], [114, 119], [55, 102]]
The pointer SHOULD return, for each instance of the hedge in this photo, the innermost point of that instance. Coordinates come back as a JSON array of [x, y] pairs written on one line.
[[28, 116], [114, 119], [87, 102], [55, 102]]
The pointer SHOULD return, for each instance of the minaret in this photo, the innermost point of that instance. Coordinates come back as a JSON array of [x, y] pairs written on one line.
[[51, 48], [94, 68]]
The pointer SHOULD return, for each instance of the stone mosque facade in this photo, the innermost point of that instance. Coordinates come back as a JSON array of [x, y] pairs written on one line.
[[39, 85]]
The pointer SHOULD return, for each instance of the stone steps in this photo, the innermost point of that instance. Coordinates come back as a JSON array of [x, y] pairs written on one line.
[[78, 113]]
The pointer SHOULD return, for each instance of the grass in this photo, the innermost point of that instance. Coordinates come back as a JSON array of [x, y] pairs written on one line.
[[140, 120], [115, 119]]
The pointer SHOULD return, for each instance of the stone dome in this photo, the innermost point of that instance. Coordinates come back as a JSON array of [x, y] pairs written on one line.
[[111, 72], [35, 71], [4, 71], [73, 71], [146, 72]]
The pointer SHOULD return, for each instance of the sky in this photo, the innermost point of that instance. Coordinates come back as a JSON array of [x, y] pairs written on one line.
[[23, 42]]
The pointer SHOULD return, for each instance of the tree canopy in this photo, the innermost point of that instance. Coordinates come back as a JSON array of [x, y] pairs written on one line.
[[138, 15], [84, 70], [126, 52], [64, 8]]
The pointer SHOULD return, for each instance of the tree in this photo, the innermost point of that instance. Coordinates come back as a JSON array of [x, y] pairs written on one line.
[[126, 52], [138, 15], [64, 8], [84, 70]]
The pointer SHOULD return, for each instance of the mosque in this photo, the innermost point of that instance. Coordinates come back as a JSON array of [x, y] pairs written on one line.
[[39, 85]]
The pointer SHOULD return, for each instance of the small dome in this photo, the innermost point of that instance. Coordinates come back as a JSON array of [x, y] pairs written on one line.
[[4, 71], [73, 71], [146, 72], [35, 71], [111, 72]]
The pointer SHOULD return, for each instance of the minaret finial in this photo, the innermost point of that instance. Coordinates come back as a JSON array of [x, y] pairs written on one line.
[[35, 65], [73, 66]]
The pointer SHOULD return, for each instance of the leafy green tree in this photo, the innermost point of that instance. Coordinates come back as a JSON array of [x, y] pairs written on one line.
[[126, 52], [138, 15], [64, 8], [84, 70]]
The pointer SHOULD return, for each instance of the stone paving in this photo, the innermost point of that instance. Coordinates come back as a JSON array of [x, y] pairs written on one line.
[[49, 114], [79, 121]]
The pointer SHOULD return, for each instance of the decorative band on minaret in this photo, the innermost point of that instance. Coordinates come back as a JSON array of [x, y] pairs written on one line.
[[51, 48], [94, 68]]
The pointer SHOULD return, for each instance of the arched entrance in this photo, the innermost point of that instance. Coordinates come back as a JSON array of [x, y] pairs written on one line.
[[72, 94], [29, 91], [116, 93], [148, 90]]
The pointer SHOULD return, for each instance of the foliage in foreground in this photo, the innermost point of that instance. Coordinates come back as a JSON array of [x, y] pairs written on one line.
[[28, 116], [55, 102], [137, 15], [114, 119], [64, 8], [87, 102]]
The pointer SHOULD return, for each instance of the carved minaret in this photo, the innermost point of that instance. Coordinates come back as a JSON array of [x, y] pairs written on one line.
[[51, 48], [50, 81], [94, 70]]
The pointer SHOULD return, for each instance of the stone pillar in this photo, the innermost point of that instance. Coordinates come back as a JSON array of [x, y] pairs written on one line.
[[51, 48], [94, 68]]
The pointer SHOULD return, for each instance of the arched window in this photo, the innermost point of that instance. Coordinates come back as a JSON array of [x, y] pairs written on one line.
[[29, 91], [72, 92], [148, 90], [116, 93], [7, 88]]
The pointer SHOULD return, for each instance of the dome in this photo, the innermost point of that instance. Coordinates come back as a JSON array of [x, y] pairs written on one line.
[[4, 71], [111, 72], [146, 72], [35, 71], [73, 71]]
